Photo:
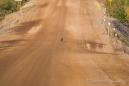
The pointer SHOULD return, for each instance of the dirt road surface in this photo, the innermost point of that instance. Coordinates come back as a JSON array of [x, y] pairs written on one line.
[[33, 55]]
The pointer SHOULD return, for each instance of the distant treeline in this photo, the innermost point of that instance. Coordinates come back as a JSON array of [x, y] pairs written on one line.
[[9, 6], [118, 9]]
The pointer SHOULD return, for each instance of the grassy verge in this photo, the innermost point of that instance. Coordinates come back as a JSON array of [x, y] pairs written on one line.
[[9, 6], [118, 9]]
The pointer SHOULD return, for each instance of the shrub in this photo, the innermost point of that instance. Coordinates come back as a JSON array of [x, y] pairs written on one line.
[[122, 39], [9, 6], [128, 44]]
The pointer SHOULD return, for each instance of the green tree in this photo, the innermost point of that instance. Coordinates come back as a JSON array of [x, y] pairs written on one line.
[[116, 9]]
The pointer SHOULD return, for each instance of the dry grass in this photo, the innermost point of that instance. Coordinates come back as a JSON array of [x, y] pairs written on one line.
[[127, 11]]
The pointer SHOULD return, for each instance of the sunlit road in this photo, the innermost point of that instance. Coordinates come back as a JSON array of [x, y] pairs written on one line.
[[84, 58]]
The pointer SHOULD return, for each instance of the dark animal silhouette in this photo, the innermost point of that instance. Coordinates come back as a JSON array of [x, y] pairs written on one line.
[[61, 39]]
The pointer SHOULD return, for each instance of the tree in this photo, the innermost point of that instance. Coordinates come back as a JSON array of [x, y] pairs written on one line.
[[117, 9]]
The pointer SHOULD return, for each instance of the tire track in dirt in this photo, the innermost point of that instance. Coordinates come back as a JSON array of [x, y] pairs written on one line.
[[92, 41]]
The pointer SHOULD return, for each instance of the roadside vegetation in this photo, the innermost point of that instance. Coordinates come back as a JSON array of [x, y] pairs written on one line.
[[9, 6], [118, 9]]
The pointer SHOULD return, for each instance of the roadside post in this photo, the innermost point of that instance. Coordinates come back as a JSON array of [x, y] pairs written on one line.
[[114, 32], [116, 37], [109, 28], [19, 3], [115, 41], [110, 1], [105, 19]]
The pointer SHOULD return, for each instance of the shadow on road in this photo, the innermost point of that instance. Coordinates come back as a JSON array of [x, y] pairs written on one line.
[[26, 26]]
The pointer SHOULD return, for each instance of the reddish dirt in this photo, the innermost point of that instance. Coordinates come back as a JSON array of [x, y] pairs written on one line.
[[84, 57]]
